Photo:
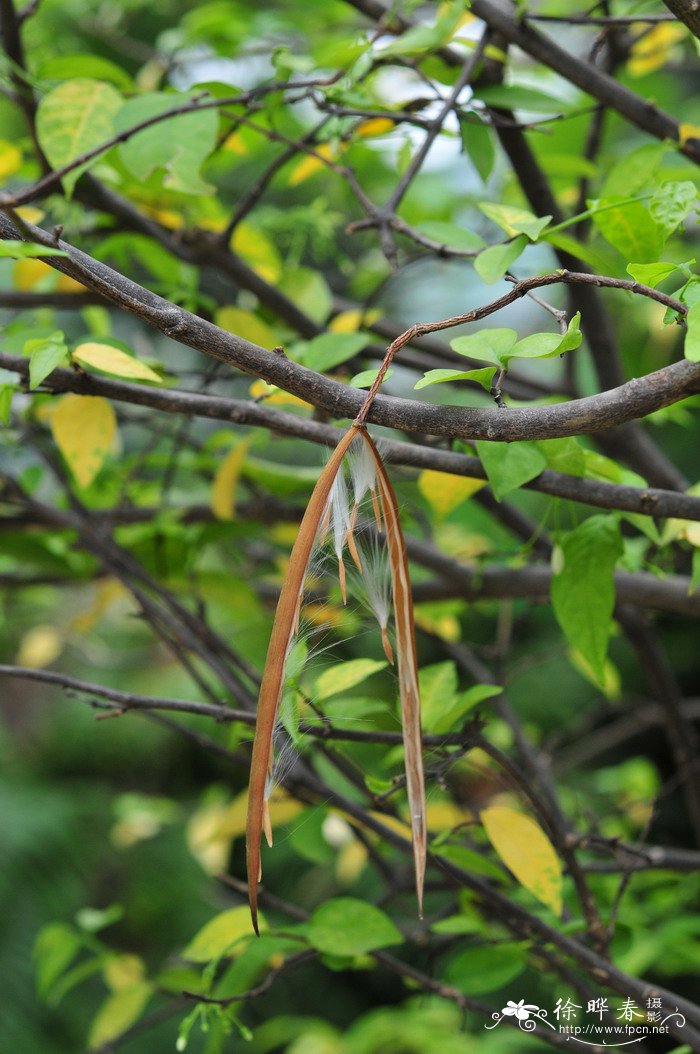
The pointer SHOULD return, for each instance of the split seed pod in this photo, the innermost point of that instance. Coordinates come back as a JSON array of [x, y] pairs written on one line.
[[283, 630]]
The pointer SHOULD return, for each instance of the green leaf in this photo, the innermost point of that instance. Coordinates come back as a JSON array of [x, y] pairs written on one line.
[[350, 927], [634, 171], [331, 349], [55, 948], [490, 345], [483, 969], [519, 97], [438, 687], [527, 852], [309, 288], [451, 235], [630, 228], [421, 38], [16, 250], [366, 378], [453, 715], [178, 145], [509, 465], [691, 348], [118, 1013], [73, 119], [344, 676], [547, 345], [492, 263], [6, 393], [225, 934], [564, 455], [477, 140], [95, 67], [45, 354], [583, 591], [514, 220], [672, 202], [483, 377], [652, 273]]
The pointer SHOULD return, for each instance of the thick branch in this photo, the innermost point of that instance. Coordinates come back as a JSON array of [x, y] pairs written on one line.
[[648, 501], [634, 399]]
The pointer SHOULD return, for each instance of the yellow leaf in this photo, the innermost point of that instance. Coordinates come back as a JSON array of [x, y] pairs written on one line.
[[226, 934], [66, 284], [692, 532], [10, 159], [170, 218], [223, 493], [28, 273], [109, 591], [205, 840], [652, 50], [246, 325], [258, 251], [30, 213], [311, 163], [688, 131], [375, 126], [527, 852], [350, 862], [213, 827], [118, 1013], [84, 427], [112, 360], [123, 971], [444, 815], [351, 321], [39, 647], [446, 627], [276, 396], [444, 492]]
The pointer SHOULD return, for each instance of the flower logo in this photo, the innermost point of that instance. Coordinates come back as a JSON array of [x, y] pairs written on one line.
[[521, 1010]]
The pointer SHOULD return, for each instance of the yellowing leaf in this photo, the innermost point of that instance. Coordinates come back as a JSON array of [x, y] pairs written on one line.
[[73, 119], [39, 647], [118, 1013], [344, 676], [123, 971], [223, 494], [246, 325], [10, 159], [84, 427], [444, 492], [276, 396], [225, 934], [687, 131], [112, 360], [652, 50], [527, 852], [235, 144], [375, 126], [311, 163], [258, 251]]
